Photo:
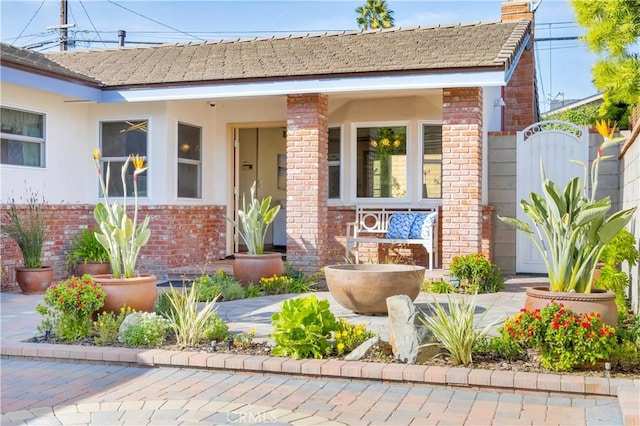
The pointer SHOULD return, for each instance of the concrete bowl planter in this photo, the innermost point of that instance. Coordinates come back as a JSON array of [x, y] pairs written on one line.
[[364, 288]]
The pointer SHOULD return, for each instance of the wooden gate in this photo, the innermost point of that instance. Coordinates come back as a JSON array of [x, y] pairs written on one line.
[[555, 144]]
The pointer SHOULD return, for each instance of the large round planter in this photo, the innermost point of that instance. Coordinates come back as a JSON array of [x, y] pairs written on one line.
[[599, 301], [34, 281], [249, 268], [364, 288], [138, 292], [93, 268]]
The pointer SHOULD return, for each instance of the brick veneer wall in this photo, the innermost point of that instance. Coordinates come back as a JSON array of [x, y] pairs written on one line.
[[180, 235], [461, 173], [307, 181]]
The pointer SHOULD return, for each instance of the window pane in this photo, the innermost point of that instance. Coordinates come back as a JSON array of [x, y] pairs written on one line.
[[188, 180], [21, 153], [189, 142], [22, 123], [121, 138], [432, 161], [334, 162], [382, 162], [115, 181]]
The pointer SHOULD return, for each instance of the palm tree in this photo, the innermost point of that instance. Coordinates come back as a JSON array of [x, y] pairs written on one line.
[[374, 14]]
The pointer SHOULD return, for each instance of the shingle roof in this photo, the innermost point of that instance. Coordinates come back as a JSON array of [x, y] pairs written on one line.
[[29, 59], [442, 48]]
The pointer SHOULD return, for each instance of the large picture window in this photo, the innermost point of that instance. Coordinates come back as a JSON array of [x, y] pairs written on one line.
[[189, 161], [118, 140], [334, 160], [22, 138], [381, 162], [432, 161]]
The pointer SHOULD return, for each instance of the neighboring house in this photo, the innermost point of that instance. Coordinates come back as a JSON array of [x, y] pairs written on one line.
[[591, 101], [297, 114]]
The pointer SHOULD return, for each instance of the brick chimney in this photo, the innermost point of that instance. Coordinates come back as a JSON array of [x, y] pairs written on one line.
[[513, 10], [519, 94]]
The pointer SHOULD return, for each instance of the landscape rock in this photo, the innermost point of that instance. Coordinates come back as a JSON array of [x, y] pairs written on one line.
[[362, 350], [129, 320], [407, 334]]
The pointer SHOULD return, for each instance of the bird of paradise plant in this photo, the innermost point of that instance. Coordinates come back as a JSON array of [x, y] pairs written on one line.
[[120, 235], [572, 228]]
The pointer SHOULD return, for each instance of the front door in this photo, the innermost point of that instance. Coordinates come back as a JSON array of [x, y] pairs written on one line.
[[261, 158], [555, 143]]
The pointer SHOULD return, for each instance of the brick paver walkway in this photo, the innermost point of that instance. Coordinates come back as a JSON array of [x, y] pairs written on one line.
[[39, 392]]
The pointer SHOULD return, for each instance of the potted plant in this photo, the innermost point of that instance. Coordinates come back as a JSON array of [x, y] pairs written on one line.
[[87, 255], [27, 225], [571, 231], [252, 225], [123, 237]]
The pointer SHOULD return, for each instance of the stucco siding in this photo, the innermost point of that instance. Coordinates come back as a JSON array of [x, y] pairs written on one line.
[[630, 194]]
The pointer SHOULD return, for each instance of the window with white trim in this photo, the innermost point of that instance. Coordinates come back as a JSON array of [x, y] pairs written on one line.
[[22, 138], [335, 161], [189, 161], [118, 140], [381, 162], [431, 161]]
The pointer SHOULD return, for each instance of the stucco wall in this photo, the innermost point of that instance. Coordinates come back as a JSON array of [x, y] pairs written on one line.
[[630, 194]]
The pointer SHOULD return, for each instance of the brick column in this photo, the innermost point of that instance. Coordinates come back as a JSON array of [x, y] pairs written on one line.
[[461, 173], [307, 181]]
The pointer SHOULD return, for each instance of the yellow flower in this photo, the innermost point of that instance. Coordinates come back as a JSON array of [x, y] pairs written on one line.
[[340, 346], [338, 335], [385, 142], [396, 143], [603, 128], [138, 163], [96, 154], [122, 309], [374, 144], [253, 331]]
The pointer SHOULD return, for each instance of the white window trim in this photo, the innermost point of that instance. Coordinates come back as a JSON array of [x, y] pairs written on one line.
[[42, 141], [146, 198], [353, 172], [179, 160], [340, 200], [427, 202]]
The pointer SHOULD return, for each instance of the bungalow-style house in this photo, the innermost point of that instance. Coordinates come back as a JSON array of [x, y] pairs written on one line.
[[297, 114]]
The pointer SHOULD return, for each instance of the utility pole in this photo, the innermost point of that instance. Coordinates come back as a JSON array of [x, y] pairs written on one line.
[[63, 25]]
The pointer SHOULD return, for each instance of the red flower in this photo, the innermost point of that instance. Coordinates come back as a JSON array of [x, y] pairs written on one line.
[[509, 328], [591, 335], [98, 296], [80, 305], [586, 325], [556, 325]]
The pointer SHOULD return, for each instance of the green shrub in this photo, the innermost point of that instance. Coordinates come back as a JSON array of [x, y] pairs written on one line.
[[186, 318], [107, 325], [219, 285], [349, 336], [85, 248], [437, 286], [621, 248], [455, 328], [68, 307], [284, 285], [302, 328], [252, 291], [145, 330], [163, 305], [476, 274], [216, 329]]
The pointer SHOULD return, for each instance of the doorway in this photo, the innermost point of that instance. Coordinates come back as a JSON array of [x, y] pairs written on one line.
[[260, 157]]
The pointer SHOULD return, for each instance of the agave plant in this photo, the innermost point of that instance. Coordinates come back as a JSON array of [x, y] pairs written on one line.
[[254, 220], [572, 228]]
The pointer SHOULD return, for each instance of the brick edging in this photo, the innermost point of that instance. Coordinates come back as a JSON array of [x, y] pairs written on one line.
[[334, 368]]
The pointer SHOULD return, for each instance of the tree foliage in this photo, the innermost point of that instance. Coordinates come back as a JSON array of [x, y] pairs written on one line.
[[612, 27], [374, 14]]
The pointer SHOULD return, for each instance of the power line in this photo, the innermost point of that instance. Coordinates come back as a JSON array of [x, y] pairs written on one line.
[[91, 22], [153, 20], [28, 23]]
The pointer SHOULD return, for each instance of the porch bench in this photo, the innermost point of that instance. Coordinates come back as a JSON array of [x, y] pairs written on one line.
[[397, 226]]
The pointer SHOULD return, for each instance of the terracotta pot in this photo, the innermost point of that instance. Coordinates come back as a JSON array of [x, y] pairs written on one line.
[[602, 301], [364, 288], [93, 268], [249, 268], [138, 292], [34, 281]]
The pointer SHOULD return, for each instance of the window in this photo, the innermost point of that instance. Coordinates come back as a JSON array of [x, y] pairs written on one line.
[[432, 161], [381, 162], [118, 140], [189, 161], [335, 139], [22, 138]]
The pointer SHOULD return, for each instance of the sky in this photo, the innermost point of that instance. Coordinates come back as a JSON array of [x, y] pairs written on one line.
[[563, 66]]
